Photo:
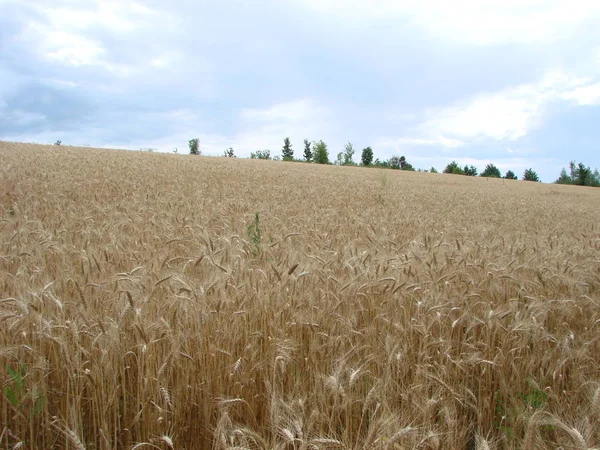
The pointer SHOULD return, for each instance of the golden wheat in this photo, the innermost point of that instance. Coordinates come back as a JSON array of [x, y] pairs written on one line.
[[375, 309]]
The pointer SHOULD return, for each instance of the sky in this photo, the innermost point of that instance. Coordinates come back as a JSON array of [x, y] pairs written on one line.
[[513, 82]]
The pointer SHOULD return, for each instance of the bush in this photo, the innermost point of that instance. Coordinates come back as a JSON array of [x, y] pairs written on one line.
[[510, 175], [229, 153], [491, 171], [433, 170], [194, 145], [530, 175], [367, 156]]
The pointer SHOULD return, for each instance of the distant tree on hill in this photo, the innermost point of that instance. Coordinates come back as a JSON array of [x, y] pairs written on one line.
[[454, 168], [470, 171], [59, 142], [367, 156], [582, 175], [433, 170], [194, 145], [510, 175], [564, 177], [491, 171], [320, 153], [530, 175], [261, 154], [287, 154], [229, 153], [348, 154], [394, 162], [308, 156]]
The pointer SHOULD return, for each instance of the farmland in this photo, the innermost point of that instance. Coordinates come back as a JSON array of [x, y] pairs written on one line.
[[190, 302]]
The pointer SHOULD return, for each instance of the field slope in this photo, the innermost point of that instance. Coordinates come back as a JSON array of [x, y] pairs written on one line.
[[144, 303]]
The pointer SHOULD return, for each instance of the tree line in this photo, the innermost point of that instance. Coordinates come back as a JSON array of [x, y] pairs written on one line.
[[317, 152]]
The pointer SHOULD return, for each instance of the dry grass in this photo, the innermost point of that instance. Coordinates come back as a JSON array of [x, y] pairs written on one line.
[[381, 309]]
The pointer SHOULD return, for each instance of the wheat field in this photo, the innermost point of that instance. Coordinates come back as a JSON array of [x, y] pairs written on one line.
[[145, 304]]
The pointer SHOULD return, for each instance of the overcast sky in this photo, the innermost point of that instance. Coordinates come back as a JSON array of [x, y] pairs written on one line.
[[513, 82]]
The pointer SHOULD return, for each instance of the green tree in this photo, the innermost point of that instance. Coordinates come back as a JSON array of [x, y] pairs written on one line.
[[491, 171], [394, 162], [308, 156], [287, 153], [510, 175], [348, 154], [564, 177], [229, 153], [433, 170], [454, 168], [261, 154], [320, 153], [367, 156], [470, 171], [530, 175], [582, 175], [194, 145], [340, 159]]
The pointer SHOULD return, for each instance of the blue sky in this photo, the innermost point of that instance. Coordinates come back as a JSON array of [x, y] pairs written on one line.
[[516, 83]]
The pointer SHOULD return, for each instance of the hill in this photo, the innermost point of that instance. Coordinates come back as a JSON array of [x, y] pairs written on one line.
[[202, 302]]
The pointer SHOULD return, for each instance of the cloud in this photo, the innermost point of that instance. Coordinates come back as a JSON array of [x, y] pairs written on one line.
[[506, 115], [584, 95], [474, 22]]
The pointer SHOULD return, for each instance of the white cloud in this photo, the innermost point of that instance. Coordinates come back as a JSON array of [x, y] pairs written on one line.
[[476, 22], [584, 95], [506, 115]]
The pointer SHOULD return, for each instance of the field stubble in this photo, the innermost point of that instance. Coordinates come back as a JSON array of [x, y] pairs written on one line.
[[375, 309]]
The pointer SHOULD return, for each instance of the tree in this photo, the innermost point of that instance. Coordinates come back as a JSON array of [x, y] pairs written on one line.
[[229, 153], [408, 167], [261, 154], [433, 170], [320, 153], [367, 156], [454, 168], [348, 154], [394, 162], [564, 177], [491, 171], [59, 142], [308, 156], [470, 171], [530, 175], [510, 175], [287, 153], [581, 175], [340, 159], [194, 145]]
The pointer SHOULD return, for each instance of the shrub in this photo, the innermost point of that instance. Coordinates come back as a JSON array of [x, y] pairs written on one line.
[[510, 175], [229, 153]]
